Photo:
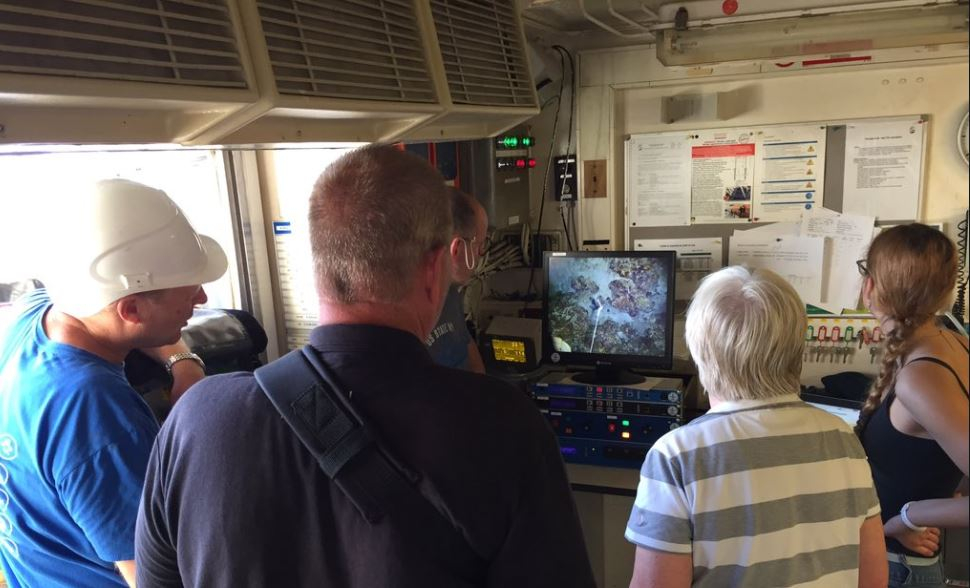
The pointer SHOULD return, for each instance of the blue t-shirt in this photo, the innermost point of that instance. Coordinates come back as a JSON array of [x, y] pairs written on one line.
[[74, 443], [448, 341]]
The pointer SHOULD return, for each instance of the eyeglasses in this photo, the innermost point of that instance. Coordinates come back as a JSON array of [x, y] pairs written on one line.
[[863, 267], [486, 245]]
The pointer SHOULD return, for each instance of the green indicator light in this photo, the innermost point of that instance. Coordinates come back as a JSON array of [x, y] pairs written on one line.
[[626, 423], [511, 142], [527, 141]]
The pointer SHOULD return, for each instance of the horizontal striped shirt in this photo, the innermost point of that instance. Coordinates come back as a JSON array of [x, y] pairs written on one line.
[[761, 493]]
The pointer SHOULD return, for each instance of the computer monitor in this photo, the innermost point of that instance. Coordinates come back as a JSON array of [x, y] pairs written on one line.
[[612, 310]]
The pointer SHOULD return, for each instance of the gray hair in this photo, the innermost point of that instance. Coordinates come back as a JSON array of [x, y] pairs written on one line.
[[374, 215], [745, 330], [463, 213]]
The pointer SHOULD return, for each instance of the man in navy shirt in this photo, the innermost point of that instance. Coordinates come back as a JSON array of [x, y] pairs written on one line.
[[232, 497], [450, 342], [74, 435]]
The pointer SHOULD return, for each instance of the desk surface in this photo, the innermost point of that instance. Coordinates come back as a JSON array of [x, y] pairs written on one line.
[[588, 478]]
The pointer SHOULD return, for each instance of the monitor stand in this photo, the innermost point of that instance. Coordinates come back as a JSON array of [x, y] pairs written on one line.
[[608, 376]]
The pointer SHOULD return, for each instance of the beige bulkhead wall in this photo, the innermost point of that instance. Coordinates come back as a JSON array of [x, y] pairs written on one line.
[[621, 91]]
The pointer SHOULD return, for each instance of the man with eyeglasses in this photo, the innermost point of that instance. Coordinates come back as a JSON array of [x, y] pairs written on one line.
[[450, 342]]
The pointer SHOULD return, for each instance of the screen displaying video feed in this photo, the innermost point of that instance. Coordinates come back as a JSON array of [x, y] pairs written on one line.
[[609, 305]]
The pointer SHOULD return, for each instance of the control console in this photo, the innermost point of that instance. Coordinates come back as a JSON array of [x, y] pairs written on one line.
[[610, 425]]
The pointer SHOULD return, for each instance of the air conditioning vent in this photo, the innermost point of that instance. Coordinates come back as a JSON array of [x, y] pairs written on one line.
[[481, 47], [181, 42], [351, 49]]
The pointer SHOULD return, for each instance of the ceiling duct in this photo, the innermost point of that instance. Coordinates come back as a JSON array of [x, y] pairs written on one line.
[[333, 70], [102, 71], [483, 61], [258, 72], [827, 34]]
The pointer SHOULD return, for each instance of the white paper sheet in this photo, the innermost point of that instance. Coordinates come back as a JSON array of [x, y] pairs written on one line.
[[796, 259], [883, 161], [773, 230], [658, 180], [696, 258], [790, 172], [847, 238], [722, 174]]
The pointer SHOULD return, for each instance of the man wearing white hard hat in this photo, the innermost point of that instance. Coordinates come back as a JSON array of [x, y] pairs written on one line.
[[74, 436]]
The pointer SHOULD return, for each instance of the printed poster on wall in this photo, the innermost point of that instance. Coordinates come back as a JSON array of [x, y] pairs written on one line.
[[722, 175], [790, 172], [658, 180], [883, 160]]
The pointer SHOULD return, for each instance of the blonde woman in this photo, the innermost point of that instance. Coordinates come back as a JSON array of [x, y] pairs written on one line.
[[914, 425]]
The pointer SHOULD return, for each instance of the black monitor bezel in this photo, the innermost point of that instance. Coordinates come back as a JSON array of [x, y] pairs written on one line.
[[601, 360]]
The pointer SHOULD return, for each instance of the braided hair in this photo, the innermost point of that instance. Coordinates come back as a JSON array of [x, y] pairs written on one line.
[[913, 269]]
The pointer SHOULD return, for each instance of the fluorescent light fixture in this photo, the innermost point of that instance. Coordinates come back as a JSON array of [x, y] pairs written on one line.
[[815, 35]]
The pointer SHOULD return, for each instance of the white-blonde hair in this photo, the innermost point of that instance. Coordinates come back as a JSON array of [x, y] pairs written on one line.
[[745, 330]]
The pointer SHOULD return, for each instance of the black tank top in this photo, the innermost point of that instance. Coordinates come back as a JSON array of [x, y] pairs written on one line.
[[907, 468]]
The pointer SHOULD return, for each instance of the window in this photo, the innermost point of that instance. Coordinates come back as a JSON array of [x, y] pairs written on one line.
[[292, 174]]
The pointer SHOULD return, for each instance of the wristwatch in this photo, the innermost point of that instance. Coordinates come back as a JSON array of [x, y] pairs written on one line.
[[177, 357]]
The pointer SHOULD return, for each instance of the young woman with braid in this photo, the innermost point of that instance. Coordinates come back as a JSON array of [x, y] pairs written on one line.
[[914, 425]]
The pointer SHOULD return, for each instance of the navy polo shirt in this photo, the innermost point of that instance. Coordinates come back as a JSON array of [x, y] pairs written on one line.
[[232, 498]]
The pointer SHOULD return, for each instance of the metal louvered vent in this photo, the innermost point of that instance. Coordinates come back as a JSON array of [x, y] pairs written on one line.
[[354, 49], [182, 42], [481, 46]]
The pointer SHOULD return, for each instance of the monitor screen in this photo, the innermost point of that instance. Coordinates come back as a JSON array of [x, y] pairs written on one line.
[[610, 308]]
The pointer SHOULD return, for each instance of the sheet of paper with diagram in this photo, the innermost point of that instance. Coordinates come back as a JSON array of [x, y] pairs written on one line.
[[722, 174], [796, 259]]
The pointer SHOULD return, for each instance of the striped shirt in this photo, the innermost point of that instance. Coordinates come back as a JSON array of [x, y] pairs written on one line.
[[761, 493]]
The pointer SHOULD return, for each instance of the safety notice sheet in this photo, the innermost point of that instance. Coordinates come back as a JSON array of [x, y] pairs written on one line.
[[790, 172]]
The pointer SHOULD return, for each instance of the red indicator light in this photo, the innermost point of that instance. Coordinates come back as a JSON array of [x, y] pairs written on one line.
[[599, 389], [532, 162], [611, 428], [520, 163]]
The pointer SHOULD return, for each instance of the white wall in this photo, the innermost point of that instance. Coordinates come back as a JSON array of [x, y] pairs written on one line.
[[621, 92]]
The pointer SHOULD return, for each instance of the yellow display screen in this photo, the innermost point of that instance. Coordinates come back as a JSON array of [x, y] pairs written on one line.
[[510, 351]]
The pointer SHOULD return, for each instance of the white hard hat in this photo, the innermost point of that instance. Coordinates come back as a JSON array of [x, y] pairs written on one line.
[[122, 237]]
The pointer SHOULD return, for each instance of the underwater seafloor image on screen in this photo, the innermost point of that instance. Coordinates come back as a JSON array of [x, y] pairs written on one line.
[[615, 305]]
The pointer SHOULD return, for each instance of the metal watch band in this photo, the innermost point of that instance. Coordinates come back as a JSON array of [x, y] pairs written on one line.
[[177, 357]]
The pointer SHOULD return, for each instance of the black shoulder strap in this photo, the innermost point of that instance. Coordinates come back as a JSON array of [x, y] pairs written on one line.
[[307, 397], [944, 364]]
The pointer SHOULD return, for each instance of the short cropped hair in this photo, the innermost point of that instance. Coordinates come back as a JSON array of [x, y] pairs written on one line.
[[745, 330], [375, 214], [463, 213]]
